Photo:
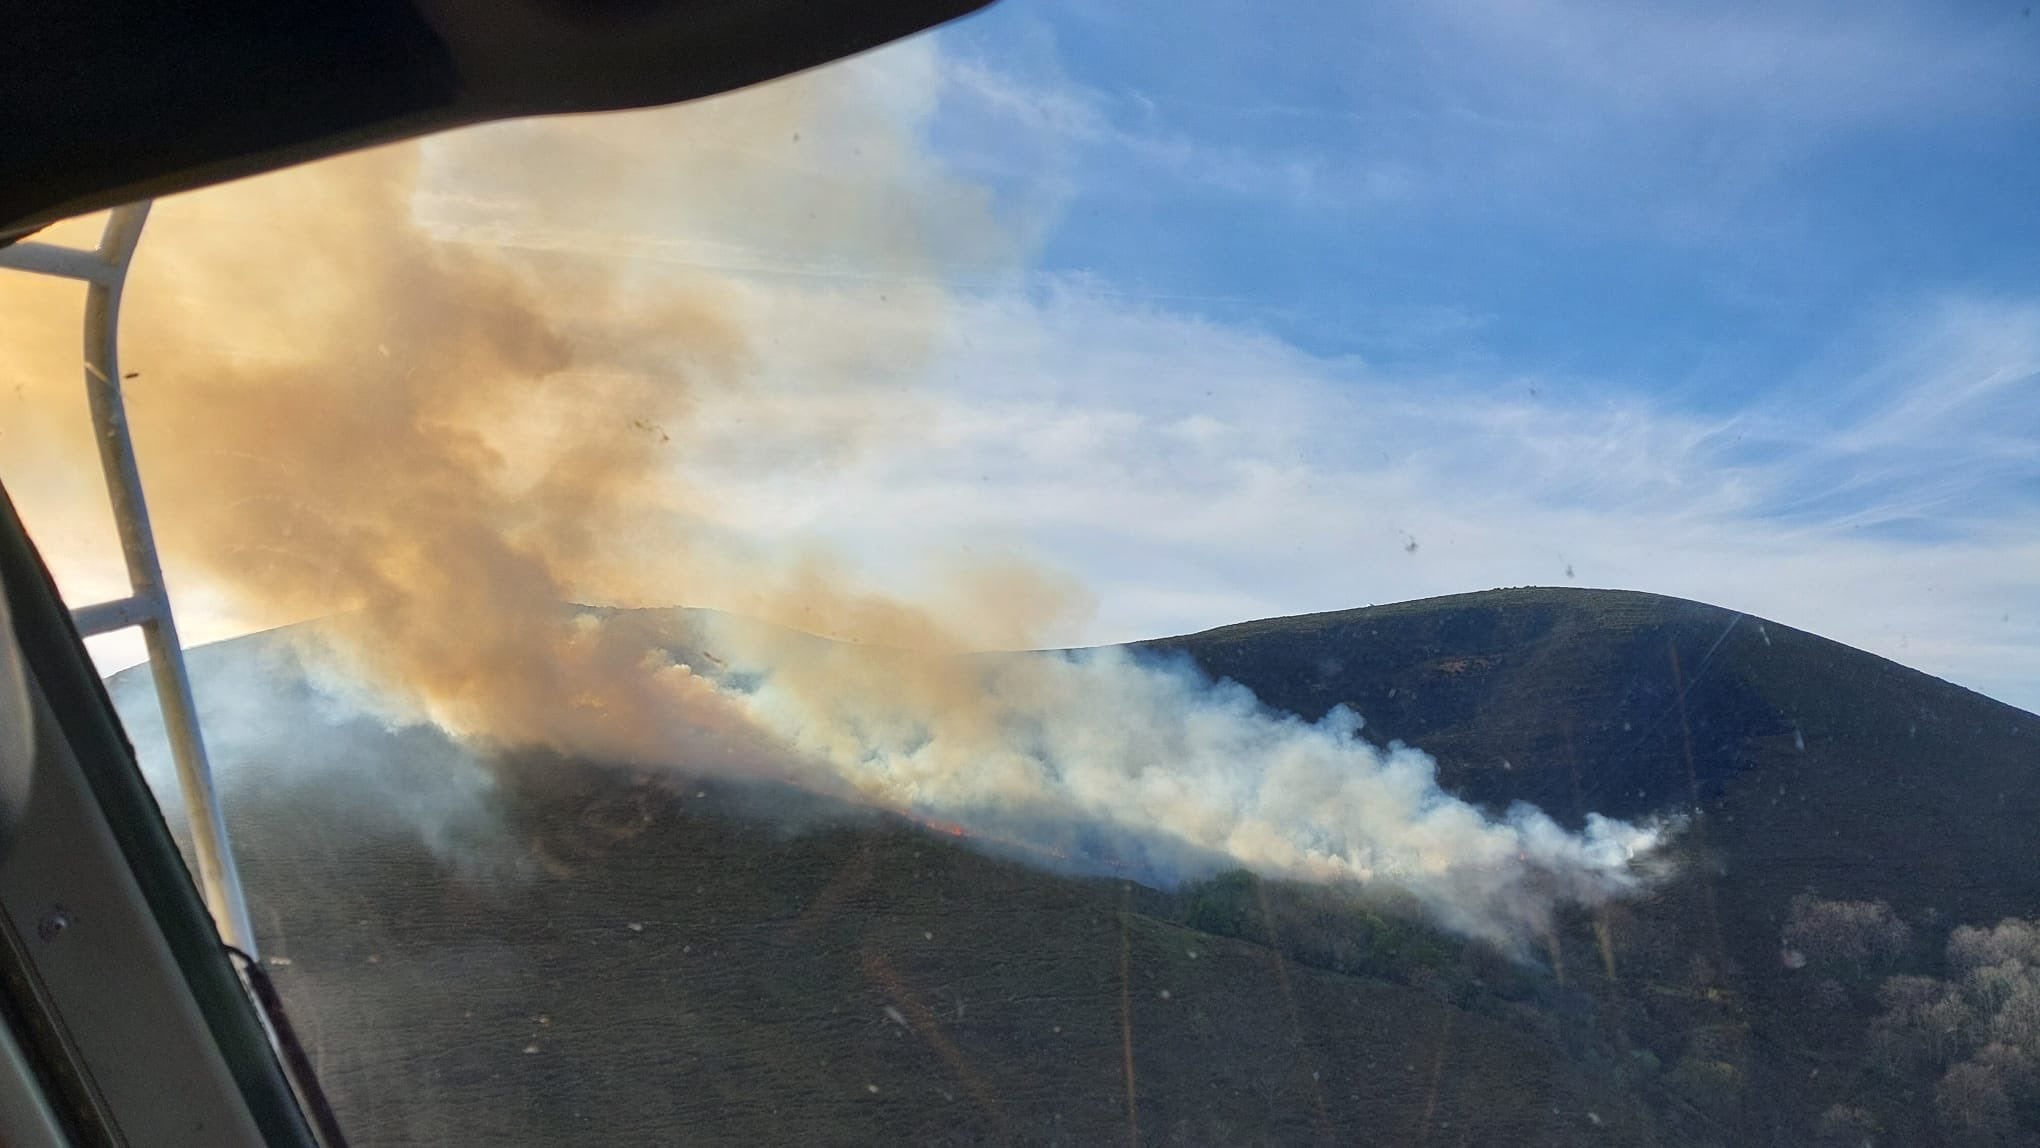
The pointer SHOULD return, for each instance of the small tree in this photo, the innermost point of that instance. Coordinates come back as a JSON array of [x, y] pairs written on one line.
[[1980, 1030], [1926, 1023], [2016, 1022], [2014, 1069], [1228, 905], [2011, 940], [1974, 1103], [1854, 937]]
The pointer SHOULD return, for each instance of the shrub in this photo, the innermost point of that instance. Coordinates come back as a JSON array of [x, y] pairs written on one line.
[[2016, 1021], [1926, 1023], [1228, 905], [1980, 1031], [1845, 1126], [1858, 937], [2012, 940], [1973, 1102]]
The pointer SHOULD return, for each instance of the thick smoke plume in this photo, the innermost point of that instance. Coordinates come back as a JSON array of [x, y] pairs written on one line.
[[1109, 759], [367, 392]]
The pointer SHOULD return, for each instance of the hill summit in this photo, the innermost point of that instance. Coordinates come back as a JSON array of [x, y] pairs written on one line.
[[532, 951]]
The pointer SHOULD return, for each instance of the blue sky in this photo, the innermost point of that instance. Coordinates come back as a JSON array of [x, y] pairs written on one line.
[[1219, 314], [1656, 194], [1756, 281]]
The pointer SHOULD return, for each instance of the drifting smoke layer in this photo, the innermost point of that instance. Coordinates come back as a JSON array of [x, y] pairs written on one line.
[[347, 410], [1107, 759], [342, 410]]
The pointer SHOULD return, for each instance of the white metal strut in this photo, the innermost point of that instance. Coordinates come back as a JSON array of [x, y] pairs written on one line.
[[104, 269]]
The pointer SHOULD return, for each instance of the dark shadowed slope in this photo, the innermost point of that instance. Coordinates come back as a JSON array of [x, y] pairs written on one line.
[[546, 952], [1820, 770], [1820, 766]]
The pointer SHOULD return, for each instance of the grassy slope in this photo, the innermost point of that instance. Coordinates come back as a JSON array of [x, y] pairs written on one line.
[[1820, 769], [752, 1004], [1820, 764]]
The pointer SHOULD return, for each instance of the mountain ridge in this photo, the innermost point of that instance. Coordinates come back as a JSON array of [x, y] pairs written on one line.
[[1808, 769]]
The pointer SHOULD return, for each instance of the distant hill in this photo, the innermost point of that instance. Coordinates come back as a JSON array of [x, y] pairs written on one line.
[[573, 954]]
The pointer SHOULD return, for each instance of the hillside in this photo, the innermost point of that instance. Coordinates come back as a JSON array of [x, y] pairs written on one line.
[[549, 952], [1821, 771]]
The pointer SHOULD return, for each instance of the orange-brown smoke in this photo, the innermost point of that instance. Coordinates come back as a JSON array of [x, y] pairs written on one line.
[[442, 393], [446, 393]]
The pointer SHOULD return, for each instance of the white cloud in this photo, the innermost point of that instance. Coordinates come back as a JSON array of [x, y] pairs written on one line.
[[1831, 64], [1194, 474], [1052, 118], [1676, 119]]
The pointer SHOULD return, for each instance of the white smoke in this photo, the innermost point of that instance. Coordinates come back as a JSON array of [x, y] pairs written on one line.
[[1097, 761], [438, 425], [1110, 759]]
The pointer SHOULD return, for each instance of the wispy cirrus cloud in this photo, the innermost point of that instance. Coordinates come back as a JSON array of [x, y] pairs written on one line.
[[1194, 462], [1194, 473]]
